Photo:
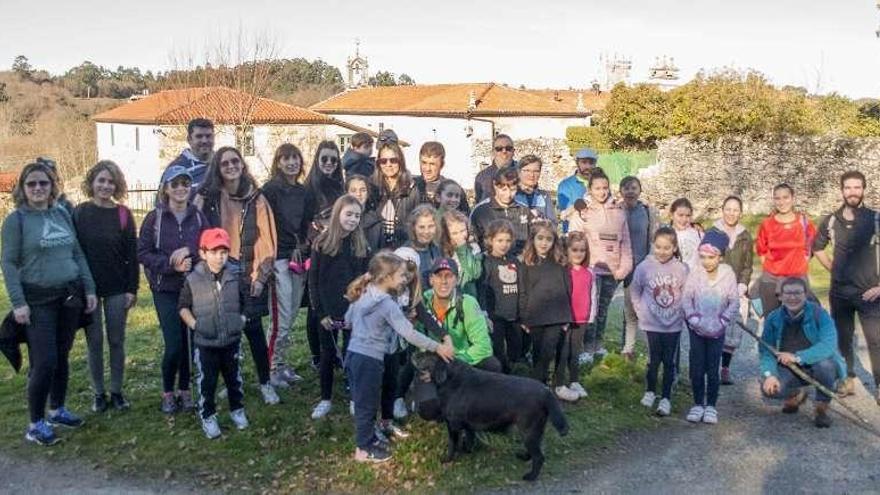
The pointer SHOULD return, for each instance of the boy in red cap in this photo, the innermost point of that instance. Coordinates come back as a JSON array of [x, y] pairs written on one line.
[[210, 305]]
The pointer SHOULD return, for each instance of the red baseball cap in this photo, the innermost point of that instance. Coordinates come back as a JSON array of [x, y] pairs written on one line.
[[213, 239]]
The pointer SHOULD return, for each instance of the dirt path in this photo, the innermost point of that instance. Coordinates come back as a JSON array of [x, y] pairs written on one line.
[[754, 449]]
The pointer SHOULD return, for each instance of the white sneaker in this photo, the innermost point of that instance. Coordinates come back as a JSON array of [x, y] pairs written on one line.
[[270, 397], [664, 408], [579, 389], [322, 409], [400, 411], [351, 407], [585, 358], [710, 416], [566, 394], [695, 415], [211, 427], [239, 418], [648, 399]]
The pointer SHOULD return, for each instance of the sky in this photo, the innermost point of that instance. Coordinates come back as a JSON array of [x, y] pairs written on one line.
[[823, 46]]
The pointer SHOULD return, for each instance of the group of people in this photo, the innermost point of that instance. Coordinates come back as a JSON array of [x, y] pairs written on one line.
[[387, 263]]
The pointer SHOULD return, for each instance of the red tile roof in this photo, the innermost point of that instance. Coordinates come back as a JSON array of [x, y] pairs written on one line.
[[489, 100], [8, 180], [569, 97], [220, 105]]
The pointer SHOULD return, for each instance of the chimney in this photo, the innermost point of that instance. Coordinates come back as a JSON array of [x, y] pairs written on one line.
[[472, 101], [580, 103]]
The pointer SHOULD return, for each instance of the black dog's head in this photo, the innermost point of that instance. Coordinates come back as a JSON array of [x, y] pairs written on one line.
[[431, 367]]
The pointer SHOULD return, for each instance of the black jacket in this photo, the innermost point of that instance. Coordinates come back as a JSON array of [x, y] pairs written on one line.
[[329, 277], [357, 163], [427, 197], [519, 215], [854, 267], [498, 289], [404, 203], [544, 294], [293, 215]]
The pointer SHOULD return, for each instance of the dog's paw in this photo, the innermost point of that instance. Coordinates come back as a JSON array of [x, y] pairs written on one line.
[[530, 476], [523, 456]]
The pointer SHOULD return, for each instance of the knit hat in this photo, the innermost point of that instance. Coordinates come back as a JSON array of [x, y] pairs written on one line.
[[714, 242]]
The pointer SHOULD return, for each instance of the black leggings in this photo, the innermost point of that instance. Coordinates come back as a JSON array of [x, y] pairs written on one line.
[[253, 329], [544, 341], [506, 342], [663, 348], [331, 353], [176, 356], [49, 338]]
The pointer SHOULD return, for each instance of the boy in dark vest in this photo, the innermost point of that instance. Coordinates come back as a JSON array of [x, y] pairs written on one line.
[[210, 306]]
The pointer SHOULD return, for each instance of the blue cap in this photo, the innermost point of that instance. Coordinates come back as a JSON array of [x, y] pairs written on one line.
[[445, 264], [174, 172], [585, 153]]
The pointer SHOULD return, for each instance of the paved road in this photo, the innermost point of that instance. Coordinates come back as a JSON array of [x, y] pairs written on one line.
[[754, 449]]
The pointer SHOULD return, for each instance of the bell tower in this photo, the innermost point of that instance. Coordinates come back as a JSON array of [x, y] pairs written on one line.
[[358, 68]]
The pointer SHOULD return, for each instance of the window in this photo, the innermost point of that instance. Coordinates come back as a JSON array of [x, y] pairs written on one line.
[[112, 136], [381, 126], [137, 139], [344, 142], [245, 141]]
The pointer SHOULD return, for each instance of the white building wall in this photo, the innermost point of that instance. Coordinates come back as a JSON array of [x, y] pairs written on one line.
[[135, 148], [537, 127], [461, 163]]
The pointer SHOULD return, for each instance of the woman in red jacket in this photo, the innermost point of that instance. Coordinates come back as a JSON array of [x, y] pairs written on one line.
[[783, 243]]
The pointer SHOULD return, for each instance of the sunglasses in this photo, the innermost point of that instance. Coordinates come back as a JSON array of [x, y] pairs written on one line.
[[180, 183], [508, 149], [331, 159], [383, 161], [34, 183], [230, 163]]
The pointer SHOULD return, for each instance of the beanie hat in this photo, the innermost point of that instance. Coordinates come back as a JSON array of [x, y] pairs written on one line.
[[714, 242]]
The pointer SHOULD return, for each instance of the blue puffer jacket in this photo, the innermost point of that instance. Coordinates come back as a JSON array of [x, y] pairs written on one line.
[[818, 328], [155, 253]]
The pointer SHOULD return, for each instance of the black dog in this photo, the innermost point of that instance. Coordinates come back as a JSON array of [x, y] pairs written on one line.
[[471, 400]]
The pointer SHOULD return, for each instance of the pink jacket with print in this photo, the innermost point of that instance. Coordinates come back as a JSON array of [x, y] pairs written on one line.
[[710, 306], [608, 235]]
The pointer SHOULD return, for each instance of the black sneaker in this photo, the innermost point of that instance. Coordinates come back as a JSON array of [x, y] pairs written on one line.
[[100, 405], [375, 453], [119, 402]]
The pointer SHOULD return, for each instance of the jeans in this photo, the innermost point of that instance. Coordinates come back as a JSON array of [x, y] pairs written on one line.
[[331, 353], [112, 310], [365, 377], [844, 310], [567, 358], [704, 363], [286, 298], [544, 341], [392, 383], [176, 357], [49, 339], [593, 340], [824, 372], [210, 363], [506, 342], [662, 348]]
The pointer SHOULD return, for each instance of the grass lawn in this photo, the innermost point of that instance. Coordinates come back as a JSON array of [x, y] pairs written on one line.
[[284, 450]]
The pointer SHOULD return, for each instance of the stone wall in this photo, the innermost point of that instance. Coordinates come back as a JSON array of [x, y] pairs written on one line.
[[554, 153], [707, 172]]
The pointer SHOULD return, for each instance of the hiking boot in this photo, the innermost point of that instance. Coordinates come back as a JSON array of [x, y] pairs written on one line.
[[375, 453], [100, 404], [169, 403], [276, 379], [41, 433], [847, 387], [793, 403], [664, 408], [63, 417], [270, 397], [695, 415], [119, 402], [239, 418], [725, 377], [822, 420], [566, 394], [187, 404], [322, 409], [211, 427], [710, 416], [578, 389], [648, 399], [400, 411]]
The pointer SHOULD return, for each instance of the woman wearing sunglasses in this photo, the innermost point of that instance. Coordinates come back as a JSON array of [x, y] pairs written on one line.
[[168, 247], [231, 199], [46, 275], [398, 194]]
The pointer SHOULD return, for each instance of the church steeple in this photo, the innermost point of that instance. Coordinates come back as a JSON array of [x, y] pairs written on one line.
[[358, 68]]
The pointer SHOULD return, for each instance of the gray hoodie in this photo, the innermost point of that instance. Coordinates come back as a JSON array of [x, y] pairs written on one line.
[[374, 319]]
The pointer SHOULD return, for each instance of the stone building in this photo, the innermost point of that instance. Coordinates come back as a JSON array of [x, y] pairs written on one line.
[[145, 135]]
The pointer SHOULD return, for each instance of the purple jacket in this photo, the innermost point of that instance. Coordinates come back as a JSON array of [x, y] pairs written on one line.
[[160, 236]]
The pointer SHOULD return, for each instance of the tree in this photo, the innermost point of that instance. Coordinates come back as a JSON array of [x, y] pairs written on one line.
[[383, 78], [636, 117], [22, 67], [405, 80], [3, 96], [83, 79]]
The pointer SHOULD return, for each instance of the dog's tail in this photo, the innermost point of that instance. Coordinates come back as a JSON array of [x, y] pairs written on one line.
[[557, 417]]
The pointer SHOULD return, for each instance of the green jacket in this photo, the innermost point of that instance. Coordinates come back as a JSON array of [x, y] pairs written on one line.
[[818, 329], [470, 268], [466, 325]]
